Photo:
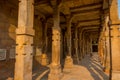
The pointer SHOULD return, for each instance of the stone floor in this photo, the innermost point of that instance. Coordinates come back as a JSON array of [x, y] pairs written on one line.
[[7, 70], [88, 69]]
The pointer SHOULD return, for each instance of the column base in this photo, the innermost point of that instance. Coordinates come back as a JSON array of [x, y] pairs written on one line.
[[55, 72], [68, 64], [23, 67], [44, 59]]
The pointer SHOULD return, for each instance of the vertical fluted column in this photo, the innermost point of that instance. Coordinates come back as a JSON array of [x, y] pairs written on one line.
[[55, 67], [24, 40]]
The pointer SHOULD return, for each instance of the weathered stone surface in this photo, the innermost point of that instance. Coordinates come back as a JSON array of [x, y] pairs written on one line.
[[24, 40], [68, 64], [44, 59], [55, 72]]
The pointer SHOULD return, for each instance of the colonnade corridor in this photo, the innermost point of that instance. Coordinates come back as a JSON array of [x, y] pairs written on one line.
[[59, 40]]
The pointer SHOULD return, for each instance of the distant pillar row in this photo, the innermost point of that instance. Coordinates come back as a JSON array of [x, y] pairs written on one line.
[[24, 41]]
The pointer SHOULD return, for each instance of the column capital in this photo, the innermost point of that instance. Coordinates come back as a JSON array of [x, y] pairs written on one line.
[[69, 17]]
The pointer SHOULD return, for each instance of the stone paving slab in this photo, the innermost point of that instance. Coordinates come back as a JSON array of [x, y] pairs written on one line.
[[89, 69]]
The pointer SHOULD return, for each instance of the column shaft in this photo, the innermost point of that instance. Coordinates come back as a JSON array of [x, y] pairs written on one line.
[[76, 43], [68, 60], [69, 35], [24, 39], [55, 68], [115, 39]]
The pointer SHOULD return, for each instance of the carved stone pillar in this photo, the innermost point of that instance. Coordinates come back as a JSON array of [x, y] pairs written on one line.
[[69, 34], [24, 40], [44, 57], [115, 39], [107, 45], [55, 67], [68, 61], [76, 43], [115, 42], [79, 44], [83, 45]]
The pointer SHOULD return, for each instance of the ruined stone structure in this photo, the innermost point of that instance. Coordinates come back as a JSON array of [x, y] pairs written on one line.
[[57, 33]]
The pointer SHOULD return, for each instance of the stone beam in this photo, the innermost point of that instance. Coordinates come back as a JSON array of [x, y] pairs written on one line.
[[89, 20], [86, 11], [84, 6]]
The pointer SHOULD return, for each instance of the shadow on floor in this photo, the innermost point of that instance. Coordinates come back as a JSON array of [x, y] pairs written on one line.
[[39, 72], [94, 67], [7, 70]]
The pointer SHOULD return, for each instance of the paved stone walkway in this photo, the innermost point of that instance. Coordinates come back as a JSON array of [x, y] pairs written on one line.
[[89, 69]]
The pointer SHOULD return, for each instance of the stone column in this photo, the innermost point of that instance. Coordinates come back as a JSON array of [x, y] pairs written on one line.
[[90, 45], [83, 44], [55, 67], [68, 61], [99, 47], [24, 40], [79, 44], [107, 58], [76, 43], [115, 42], [69, 34], [44, 58], [115, 39]]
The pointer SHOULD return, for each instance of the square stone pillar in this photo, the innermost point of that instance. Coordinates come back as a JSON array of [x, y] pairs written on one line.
[[115, 39], [24, 40], [115, 42], [76, 43], [68, 61], [44, 57], [55, 67]]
